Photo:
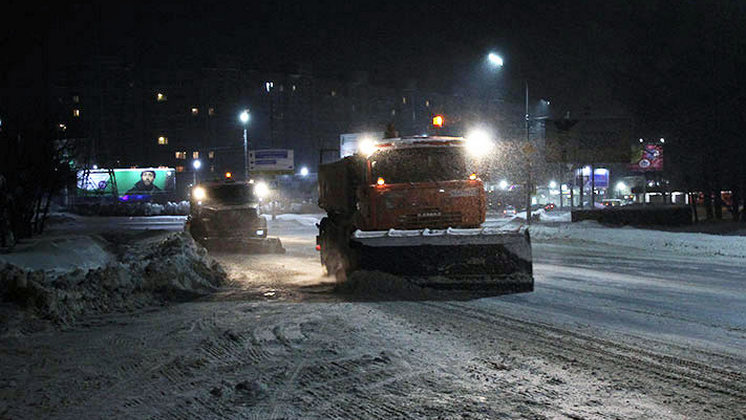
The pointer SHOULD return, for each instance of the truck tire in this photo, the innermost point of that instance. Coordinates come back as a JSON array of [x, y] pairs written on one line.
[[336, 255]]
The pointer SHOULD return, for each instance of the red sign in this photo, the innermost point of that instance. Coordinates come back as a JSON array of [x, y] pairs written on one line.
[[649, 157]]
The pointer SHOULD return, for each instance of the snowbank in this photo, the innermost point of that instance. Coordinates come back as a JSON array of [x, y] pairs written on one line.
[[302, 219], [651, 240], [144, 273], [135, 209], [379, 285], [62, 253]]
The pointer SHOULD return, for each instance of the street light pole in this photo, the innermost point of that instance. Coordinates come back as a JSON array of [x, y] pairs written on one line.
[[245, 154], [244, 117], [497, 61], [528, 165]]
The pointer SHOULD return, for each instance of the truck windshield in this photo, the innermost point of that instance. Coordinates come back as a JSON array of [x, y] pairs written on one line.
[[419, 165], [232, 194]]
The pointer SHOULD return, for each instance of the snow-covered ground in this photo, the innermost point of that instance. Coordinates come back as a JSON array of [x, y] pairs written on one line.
[[620, 325]]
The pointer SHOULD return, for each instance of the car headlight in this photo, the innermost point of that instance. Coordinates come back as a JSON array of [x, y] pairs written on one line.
[[199, 193], [261, 189]]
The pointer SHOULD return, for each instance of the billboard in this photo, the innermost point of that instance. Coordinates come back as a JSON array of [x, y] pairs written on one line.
[[137, 183], [271, 160], [598, 140], [600, 176], [647, 158]]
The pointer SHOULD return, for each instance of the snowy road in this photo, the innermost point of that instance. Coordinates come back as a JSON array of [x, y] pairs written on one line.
[[612, 331]]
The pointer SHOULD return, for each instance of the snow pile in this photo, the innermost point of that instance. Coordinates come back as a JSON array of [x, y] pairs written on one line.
[[62, 253], [173, 267], [301, 219], [134, 209], [379, 285], [650, 240]]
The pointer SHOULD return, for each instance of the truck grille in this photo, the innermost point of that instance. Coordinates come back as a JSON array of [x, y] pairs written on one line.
[[227, 222], [431, 218]]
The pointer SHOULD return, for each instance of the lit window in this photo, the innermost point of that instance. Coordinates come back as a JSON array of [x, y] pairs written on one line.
[[427, 103], [162, 140], [195, 111], [160, 97], [393, 112], [179, 169], [76, 113], [334, 93], [293, 88], [268, 86], [212, 168], [404, 100], [195, 155], [211, 112], [211, 154], [76, 99], [180, 155]]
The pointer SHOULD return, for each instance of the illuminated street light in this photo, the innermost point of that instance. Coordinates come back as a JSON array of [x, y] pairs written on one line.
[[196, 164], [503, 185], [621, 186], [495, 59], [244, 118], [304, 171], [552, 184], [663, 140]]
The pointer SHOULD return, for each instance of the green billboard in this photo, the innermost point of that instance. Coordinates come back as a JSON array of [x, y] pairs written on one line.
[[128, 184]]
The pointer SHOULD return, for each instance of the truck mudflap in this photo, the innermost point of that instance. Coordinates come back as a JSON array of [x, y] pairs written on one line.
[[486, 260], [243, 245]]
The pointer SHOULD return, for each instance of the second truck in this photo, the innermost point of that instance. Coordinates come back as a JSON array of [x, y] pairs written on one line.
[[415, 207]]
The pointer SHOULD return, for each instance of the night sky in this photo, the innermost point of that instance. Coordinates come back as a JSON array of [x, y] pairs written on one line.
[[650, 58]]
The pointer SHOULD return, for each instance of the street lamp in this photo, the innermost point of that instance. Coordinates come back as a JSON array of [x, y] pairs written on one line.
[[304, 171], [495, 59], [196, 164], [244, 118], [498, 62]]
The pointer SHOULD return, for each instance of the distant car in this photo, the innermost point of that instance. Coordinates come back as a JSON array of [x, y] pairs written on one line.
[[509, 211], [612, 202], [549, 207]]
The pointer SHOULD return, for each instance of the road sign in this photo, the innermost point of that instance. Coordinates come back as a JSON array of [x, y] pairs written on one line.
[[271, 161]]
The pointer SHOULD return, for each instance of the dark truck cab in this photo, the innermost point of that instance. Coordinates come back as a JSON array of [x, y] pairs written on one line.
[[225, 215]]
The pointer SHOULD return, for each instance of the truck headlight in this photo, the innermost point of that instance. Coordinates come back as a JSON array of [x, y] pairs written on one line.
[[261, 189], [199, 193], [479, 144]]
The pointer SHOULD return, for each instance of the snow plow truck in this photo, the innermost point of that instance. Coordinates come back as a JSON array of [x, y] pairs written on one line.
[[413, 207], [224, 216]]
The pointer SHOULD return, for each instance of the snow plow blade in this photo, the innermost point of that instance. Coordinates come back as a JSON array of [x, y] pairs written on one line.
[[243, 245], [475, 260]]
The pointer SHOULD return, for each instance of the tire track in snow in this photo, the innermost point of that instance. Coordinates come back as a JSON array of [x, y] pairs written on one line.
[[699, 374]]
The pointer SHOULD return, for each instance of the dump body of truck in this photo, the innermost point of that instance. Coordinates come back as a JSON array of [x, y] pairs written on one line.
[[414, 208]]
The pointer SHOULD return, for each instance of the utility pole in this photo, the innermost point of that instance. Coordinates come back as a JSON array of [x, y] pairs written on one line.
[[528, 164]]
